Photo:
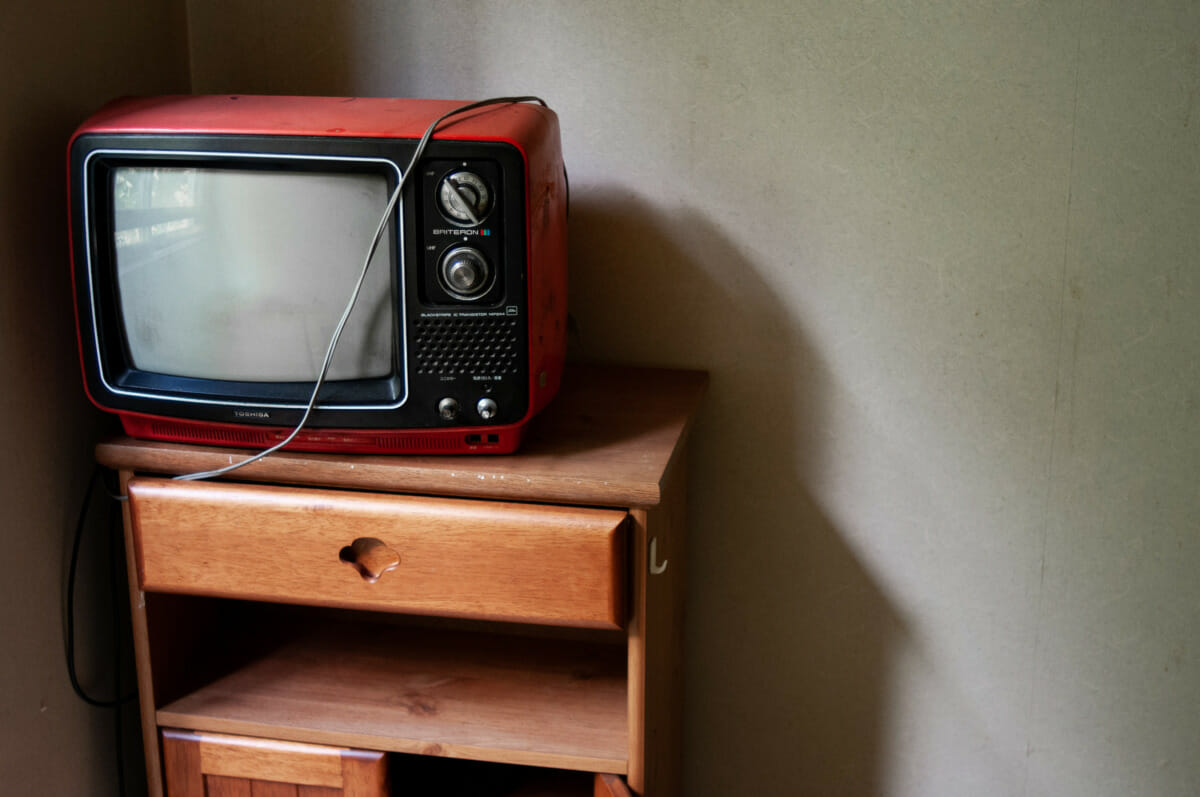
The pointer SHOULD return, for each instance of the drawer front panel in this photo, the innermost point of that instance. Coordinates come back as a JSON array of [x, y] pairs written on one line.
[[500, 561]]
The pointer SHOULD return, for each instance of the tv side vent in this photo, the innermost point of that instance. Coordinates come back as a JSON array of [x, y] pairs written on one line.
[[247, 437], [399, 443]]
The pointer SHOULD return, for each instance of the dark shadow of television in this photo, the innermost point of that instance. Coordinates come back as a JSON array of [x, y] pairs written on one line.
[[789, 640]]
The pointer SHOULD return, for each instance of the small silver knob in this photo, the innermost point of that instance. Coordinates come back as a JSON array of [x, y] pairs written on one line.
[[486, 408], [448, 409]]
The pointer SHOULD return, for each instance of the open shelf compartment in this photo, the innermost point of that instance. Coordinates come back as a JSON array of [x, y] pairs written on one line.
[[451, 692]]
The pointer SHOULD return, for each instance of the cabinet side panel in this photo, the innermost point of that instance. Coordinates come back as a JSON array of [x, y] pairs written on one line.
[[655, 643], [141, 652], [636, 684]]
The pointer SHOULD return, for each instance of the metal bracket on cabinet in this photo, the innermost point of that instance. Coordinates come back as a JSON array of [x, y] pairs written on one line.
[[656, 569]]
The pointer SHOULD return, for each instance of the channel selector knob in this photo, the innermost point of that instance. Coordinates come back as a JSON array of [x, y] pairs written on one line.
[[464, 198], [465, 273]]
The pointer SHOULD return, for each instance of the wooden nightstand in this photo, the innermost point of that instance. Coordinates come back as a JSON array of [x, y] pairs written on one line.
[[523, 610]]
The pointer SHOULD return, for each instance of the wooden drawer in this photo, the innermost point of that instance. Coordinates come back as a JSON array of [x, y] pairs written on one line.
[[500, 561]]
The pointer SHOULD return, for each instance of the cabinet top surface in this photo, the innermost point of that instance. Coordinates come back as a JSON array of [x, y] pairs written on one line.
[[609, 438]]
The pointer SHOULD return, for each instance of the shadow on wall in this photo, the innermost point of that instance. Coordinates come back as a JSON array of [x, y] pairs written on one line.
[[789, 641]]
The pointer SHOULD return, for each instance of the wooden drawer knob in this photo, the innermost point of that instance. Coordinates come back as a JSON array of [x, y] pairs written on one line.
[[371, 557]]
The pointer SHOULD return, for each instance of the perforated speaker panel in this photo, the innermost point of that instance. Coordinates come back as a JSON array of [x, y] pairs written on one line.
[[456, 346]]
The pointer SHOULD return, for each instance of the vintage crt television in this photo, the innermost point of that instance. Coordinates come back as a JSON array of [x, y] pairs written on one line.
[[216, 241]]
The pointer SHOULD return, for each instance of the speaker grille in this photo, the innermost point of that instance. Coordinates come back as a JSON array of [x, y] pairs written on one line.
[[455, 346]]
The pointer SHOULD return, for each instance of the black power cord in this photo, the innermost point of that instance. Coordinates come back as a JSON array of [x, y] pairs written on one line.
[[114, 553]]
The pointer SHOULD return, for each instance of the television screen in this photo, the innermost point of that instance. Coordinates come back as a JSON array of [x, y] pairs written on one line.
[[242, 274]]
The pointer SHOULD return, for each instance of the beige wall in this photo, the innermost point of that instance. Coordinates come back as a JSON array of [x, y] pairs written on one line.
[[60, 61], [941, 259]]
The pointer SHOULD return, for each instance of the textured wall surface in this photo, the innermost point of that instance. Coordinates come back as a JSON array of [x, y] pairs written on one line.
[[941, 260], [61, 61]]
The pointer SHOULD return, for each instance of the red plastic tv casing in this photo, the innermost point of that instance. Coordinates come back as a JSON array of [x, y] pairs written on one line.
[[531, 129]]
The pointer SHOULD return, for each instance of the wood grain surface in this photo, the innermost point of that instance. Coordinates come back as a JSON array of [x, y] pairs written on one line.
[[270, 759], [218, 786], [606, 440], [656, 642], [142, 641], [220, 765], [609, 786], [501, 561], [182, 775], [607, 701], [540, 702]]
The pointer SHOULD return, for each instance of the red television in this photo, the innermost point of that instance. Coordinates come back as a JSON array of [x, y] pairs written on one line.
[[216, 241]]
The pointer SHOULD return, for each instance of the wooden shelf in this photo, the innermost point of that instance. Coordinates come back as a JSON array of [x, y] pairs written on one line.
[[460, 694], [606, 440]]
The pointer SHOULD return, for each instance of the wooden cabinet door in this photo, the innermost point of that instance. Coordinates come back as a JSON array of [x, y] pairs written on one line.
[[217, 765]]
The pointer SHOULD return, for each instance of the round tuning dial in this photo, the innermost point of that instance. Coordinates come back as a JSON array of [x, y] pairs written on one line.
[[465, 273], [464, 198]]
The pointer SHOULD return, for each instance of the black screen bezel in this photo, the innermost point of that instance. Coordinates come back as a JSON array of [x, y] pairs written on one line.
[[94, 163]]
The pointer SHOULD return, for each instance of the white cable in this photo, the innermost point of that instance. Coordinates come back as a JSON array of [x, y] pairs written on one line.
[[362, 276]]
